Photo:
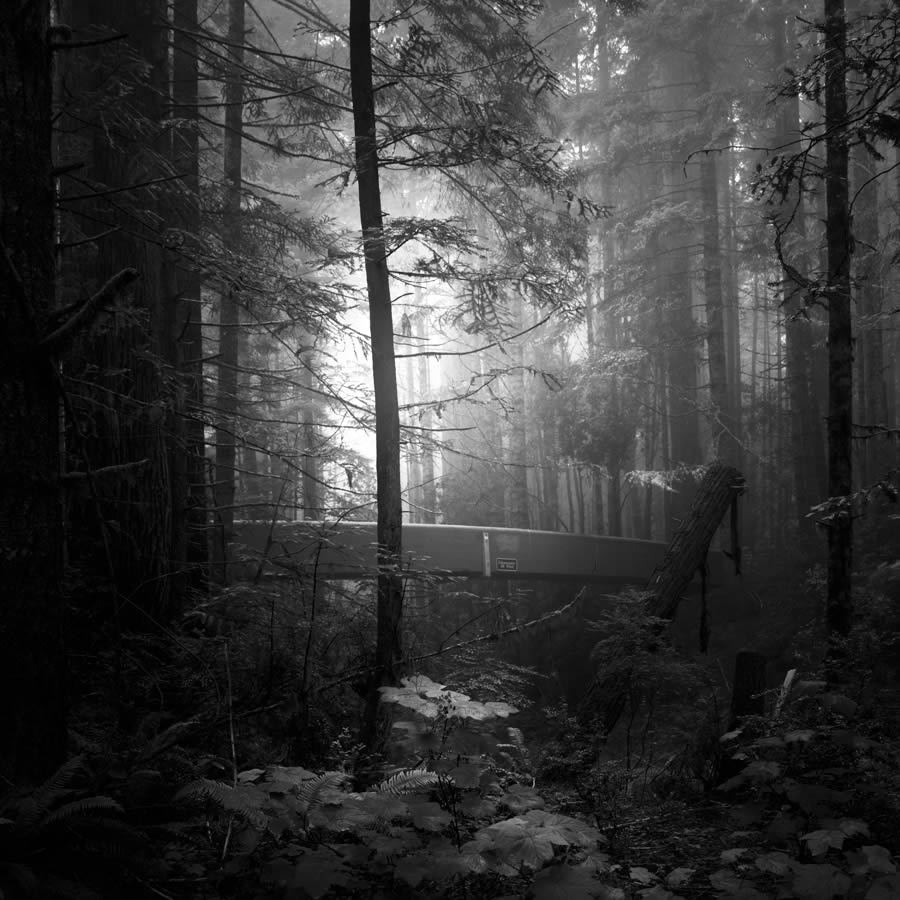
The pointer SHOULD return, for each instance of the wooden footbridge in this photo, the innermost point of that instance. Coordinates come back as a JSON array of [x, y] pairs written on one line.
[[347, 550]]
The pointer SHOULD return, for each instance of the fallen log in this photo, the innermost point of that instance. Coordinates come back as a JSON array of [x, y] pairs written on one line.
[[686, 555]]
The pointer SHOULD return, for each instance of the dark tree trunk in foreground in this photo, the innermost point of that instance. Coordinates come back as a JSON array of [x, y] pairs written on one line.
[[113, 106], [189, 473], [387, 416], [840, 332], [32, 680]]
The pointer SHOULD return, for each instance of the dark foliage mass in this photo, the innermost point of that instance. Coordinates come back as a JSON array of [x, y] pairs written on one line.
[[283, 282]]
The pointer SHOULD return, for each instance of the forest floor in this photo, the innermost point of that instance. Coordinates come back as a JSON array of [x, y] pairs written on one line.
[[812, 812], [466, 809]]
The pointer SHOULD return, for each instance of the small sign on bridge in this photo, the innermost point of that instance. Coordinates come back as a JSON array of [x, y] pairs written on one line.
[[506, 564]]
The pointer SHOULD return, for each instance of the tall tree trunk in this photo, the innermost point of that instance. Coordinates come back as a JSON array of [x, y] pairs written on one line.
[[805, 416], [32, 665], [674, 290], [429, 493], [413, 440], [313, 503], [840, 331], [121, 384], [872, 391], [723, 420], [388, 648], [229, 305], [189, 476]]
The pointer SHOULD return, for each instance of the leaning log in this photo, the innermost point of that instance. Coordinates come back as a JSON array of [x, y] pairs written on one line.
[[688, 549], [686, 555]]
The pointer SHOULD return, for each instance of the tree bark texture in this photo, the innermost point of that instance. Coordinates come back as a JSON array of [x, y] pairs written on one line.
[[121, 377], [384, 373], [686, 553], [840, 330], [32, 670]]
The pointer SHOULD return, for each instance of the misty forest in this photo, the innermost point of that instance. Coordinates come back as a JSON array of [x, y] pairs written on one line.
[[449, 449]]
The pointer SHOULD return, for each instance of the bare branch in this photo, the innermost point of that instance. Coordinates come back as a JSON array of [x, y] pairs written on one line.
[[69, 478]]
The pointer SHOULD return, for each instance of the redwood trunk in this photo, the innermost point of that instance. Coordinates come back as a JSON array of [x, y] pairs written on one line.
[[32, 696]]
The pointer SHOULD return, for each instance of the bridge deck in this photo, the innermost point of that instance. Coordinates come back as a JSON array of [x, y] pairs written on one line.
[[347, 550]]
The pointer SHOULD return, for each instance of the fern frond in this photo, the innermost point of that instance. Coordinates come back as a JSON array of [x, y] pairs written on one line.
[[22, 876], [310, 792], [517, 738], [27, 812], [103, 845], [205, 789], [64, 889], [81, 807], [165, 739], [180, 834], [408, 781], [246, 800], [57, 785]]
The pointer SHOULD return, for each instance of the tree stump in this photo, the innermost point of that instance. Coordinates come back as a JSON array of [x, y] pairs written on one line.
[[747, 694]]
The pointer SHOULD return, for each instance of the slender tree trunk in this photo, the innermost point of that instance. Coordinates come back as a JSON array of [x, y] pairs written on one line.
[[413, 392], [229, 306], [872, 391], [388, 650], [429, 494], [32, 664], [840, 331], [730, 190], [311, 440]]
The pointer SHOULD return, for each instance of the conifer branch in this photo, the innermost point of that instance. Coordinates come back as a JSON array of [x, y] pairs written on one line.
[[59, 339], [497, 635]]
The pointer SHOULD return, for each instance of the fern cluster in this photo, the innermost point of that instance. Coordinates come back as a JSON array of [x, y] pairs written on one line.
[[61, 841]]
